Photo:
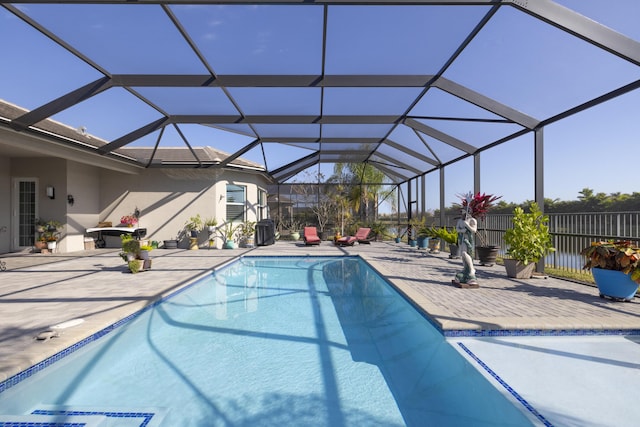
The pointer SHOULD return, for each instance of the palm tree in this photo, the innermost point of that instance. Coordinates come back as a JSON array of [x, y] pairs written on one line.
[[364, 185]]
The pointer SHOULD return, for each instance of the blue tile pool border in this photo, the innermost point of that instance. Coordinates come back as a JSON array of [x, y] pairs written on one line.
[[538, 332], [17, 378], [459, 333], [145, 417]]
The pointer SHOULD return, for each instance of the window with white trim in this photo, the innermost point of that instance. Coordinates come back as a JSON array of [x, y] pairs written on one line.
[[236, 203]]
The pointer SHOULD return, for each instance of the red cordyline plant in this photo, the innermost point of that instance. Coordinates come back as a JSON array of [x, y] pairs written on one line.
[[478, 206]]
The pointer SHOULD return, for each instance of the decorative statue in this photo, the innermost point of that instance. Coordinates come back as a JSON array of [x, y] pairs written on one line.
[[474, 208], [467, 226]]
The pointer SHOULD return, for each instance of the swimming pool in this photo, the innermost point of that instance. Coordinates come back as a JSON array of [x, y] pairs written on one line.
[[314, 341]]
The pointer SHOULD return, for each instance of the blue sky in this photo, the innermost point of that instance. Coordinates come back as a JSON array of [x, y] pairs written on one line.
[[516, 60]]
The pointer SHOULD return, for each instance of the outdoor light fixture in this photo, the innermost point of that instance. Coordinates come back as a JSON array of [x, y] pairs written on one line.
[[51, 192], [70, 199]]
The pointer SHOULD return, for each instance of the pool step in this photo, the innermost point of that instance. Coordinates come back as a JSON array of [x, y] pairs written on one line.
[[99, 416]]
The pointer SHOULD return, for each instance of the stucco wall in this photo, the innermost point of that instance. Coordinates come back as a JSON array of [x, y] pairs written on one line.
[[167, 198], [83, 184]]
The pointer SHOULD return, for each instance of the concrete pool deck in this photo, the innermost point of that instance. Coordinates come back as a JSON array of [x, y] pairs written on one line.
[[38, 291]]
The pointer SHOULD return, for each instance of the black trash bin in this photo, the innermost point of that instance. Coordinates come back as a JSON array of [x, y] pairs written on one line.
[[265, 232]]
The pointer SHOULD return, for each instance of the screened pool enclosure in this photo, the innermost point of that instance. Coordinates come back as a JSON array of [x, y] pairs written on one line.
[[296, 87]]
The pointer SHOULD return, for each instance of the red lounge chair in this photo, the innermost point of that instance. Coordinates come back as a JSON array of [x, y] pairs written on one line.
[[310, 236], [363, 235], [346, 241], [360, 237]]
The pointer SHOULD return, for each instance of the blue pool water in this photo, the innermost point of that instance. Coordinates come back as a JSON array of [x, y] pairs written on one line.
[[309, 341]]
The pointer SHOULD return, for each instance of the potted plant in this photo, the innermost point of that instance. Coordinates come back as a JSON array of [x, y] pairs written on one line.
[[51, 233], [379, 230], [478, 206], [134, 254], [528, 241], [40, 225], [52, 242], [170, 243], [413, 231], [229, 231], [144, 252], [211, 224], [129, 220], [135, 265], [435, 234], [615, 266], [40, 244], [450, 236], [294, 230], [194, 225], [248, 233], [423, 234], [130, 248]]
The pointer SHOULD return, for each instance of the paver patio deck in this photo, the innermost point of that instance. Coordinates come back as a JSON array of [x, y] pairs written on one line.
[[38, 291]]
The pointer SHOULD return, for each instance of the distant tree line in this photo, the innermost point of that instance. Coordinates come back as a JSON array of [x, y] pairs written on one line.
[[588, 201]]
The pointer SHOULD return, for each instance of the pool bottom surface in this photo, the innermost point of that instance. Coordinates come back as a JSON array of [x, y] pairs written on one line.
[[264, 341]]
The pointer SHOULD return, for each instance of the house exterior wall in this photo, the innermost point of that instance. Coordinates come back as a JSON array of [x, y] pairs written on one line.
[[166, 198], [83, 184]]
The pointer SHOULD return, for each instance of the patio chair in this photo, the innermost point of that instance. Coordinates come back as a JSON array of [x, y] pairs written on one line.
[[310, 236], [361, 236]]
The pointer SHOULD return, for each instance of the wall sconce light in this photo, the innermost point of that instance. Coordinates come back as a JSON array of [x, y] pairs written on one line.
[[51, 192], [70, 199]]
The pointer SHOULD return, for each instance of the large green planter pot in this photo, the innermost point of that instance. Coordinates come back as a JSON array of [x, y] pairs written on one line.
[[229, 244], [423, 242], [614, 284]]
